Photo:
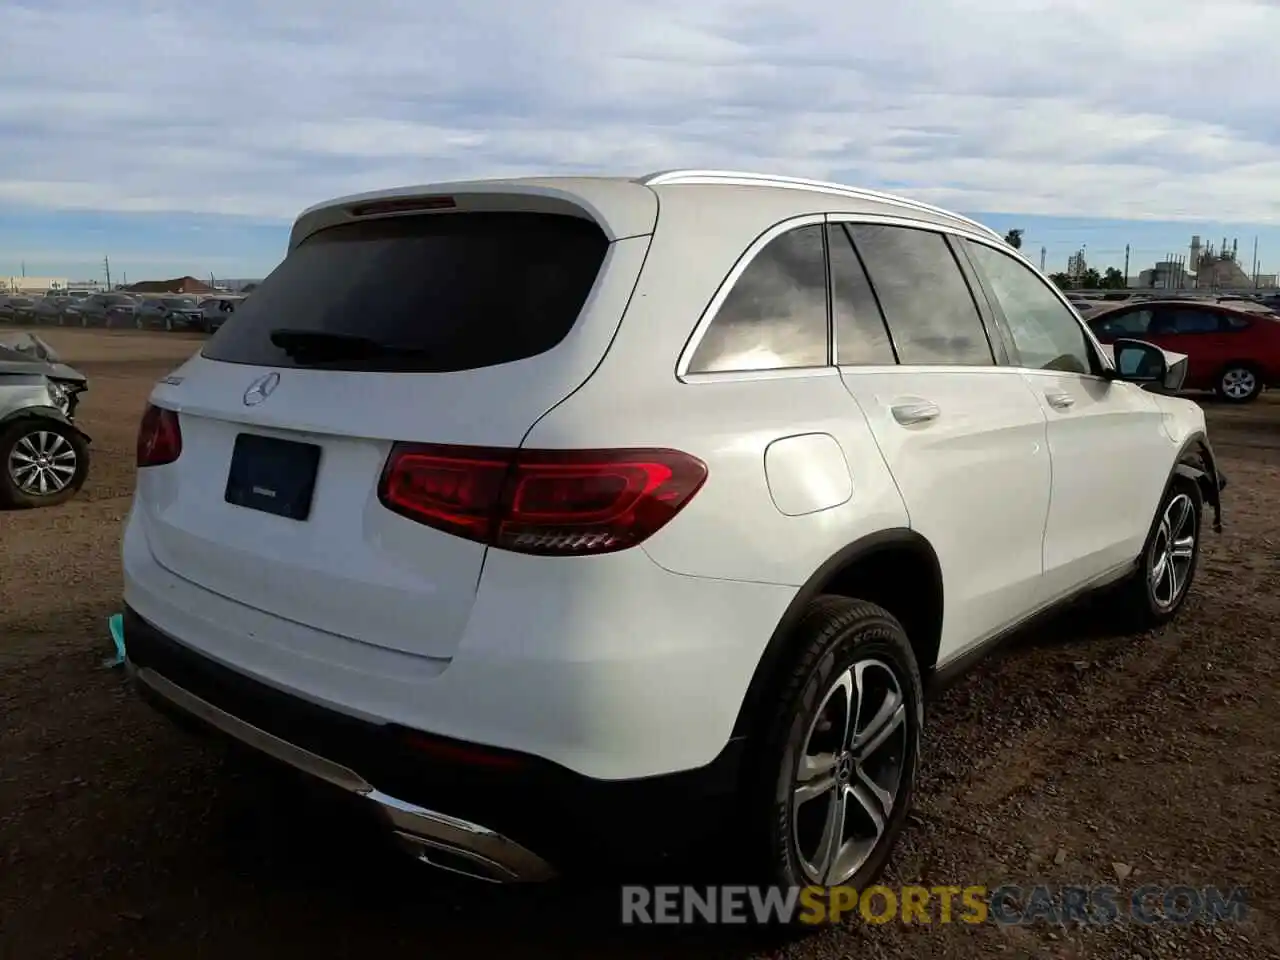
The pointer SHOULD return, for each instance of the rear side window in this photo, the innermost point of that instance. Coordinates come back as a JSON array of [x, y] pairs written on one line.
[[861, 336], [926, 300], [775, 317], [1189, 321], [429, 294]]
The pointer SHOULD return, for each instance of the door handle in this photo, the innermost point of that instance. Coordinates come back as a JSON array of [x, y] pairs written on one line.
[[908, 412], [1059, 400]]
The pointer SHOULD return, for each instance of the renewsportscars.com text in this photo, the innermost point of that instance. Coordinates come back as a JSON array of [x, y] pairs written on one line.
[[1008, 904]]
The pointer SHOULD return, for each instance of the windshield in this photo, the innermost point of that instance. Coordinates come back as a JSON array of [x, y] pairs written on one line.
[[26, 346]]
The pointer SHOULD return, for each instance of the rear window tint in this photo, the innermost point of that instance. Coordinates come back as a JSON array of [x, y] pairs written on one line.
[[446, 292]]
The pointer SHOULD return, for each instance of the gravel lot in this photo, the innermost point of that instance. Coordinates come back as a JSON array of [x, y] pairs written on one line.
[[1071, 751]]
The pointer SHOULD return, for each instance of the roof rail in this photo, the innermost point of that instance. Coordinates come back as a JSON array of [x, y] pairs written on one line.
[[771, 180]]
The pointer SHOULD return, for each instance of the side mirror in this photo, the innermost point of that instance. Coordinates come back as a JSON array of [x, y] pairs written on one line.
[[1137, 361]]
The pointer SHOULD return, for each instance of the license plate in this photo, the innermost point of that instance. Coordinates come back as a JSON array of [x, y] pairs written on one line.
[[273, 476]]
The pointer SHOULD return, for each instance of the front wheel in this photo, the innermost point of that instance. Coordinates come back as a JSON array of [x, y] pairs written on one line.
[[44, 463], [840, 758], [1156, 591], [1239, 383]]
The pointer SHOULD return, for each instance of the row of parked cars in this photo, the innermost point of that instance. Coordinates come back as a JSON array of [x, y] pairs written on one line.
[[88, 309], [1087, 303]]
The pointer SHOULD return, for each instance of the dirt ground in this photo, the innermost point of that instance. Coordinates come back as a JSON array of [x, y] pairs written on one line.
[[1073, 756]]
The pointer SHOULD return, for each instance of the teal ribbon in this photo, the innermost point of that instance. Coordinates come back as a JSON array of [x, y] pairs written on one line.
[[116, 625]]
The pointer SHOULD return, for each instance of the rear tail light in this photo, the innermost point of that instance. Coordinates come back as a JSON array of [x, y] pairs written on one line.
[[549, 502], [159, 437]]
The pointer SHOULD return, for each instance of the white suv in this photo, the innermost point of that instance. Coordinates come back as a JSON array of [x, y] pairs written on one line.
[[563, 518]]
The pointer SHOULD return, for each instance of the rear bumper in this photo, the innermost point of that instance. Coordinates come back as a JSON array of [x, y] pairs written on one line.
[[494, 815], [614, 669], [445, 842]]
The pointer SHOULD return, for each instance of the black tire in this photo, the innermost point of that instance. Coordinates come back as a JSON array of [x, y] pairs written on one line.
[[1144, 604], [834, 635], [13, 496], [1232, 381]]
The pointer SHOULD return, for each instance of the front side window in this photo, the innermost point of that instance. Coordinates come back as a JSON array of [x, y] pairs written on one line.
[[1045, 331], [775, 317], [927, 303]]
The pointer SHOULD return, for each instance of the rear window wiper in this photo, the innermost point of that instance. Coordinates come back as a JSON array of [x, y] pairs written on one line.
[[321, 346]]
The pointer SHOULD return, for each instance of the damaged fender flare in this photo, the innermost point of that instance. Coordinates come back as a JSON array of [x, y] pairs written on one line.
[[43, 413], [1196, 462]]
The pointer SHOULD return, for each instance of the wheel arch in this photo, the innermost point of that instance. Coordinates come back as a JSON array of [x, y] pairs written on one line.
[[41, 412], [1248, 363], [1196, 462], [897, 569], [36, 412]]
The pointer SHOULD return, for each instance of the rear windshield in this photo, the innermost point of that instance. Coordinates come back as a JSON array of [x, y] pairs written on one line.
[[441, 292]]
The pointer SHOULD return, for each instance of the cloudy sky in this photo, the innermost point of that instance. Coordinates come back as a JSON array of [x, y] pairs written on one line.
[[181, 137]]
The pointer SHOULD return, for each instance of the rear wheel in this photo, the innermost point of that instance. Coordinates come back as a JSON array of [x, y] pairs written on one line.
[[44, 463], [1239, 383], [839, 759]]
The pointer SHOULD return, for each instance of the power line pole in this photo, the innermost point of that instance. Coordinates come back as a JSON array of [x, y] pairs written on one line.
[[1255, 262], [1126, 266], [106, 265], [1043, 252]]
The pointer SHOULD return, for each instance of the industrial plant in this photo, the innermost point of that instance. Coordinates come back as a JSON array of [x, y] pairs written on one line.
[[1205, 267]]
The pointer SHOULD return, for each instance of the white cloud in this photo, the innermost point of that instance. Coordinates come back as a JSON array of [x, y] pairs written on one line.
[[1138, 109]]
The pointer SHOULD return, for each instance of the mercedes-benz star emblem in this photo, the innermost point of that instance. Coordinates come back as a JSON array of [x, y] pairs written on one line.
[[261, 388]]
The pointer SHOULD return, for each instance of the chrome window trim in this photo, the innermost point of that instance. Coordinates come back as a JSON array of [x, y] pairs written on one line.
[[726, 286], [753, 250], [784, 373]]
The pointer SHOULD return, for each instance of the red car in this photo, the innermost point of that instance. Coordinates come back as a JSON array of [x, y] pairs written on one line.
[[1235, 353]]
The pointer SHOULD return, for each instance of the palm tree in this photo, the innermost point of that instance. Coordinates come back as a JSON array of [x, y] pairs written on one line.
[[1014, 239]]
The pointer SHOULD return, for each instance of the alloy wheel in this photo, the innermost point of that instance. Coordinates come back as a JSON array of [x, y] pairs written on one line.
[[850, 772], [1172, 552], [42, 463], [1239, 383]]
